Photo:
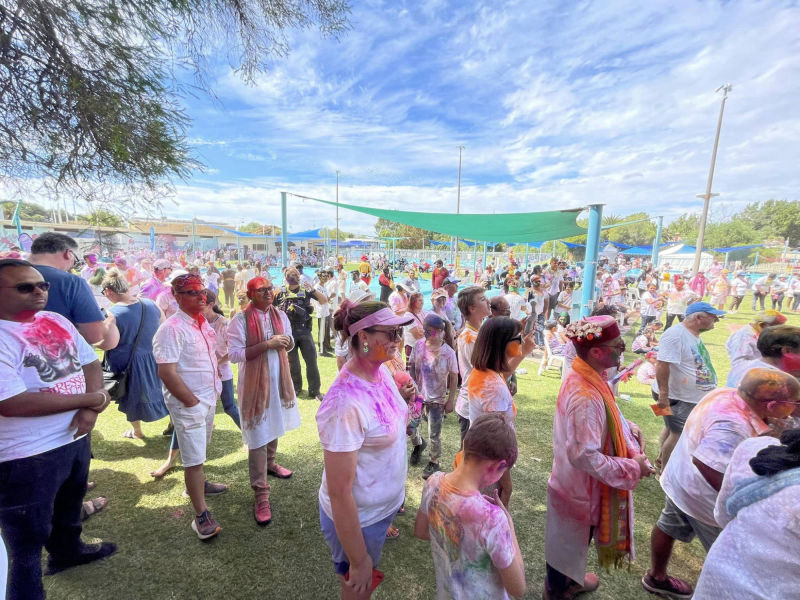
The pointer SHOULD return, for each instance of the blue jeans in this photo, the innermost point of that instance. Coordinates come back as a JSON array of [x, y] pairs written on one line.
[[228, 405], [435, 417], [40, 506], [539, 331]]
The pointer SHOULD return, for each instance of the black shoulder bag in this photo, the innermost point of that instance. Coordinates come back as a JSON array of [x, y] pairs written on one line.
[[116, 384]]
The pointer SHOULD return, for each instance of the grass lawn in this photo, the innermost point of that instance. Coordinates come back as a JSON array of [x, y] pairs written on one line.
[[160, 557]]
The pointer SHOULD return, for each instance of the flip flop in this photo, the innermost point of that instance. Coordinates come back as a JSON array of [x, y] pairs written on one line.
[[95, 505], [392, 533]]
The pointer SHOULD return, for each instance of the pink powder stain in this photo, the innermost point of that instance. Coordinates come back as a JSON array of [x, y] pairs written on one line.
[[385, 412], [49, 335], [734, 327], [177, 514]]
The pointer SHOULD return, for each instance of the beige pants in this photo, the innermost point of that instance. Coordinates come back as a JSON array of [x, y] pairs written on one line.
[[260, 460]]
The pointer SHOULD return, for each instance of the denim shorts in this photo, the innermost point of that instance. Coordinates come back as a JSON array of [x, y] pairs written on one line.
[[680, 412], [374, 538]]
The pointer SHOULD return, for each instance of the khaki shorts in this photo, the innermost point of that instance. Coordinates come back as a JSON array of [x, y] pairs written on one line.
[[193, 427]]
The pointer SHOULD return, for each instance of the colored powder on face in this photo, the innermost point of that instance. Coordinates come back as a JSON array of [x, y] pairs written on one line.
[[381, 354], [790, 362]]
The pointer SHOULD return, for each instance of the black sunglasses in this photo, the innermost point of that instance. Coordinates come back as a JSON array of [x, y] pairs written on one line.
[[28, 288], [392, 334]]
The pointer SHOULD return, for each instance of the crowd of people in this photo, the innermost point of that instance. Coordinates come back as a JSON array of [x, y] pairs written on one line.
[[728, 457]]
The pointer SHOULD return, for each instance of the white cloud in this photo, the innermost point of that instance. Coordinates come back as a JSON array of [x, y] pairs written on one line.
[[558, 104]]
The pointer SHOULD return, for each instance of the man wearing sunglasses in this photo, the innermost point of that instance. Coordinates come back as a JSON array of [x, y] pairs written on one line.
[[259, 339], [51, 391], [185, 349], [53, 255]]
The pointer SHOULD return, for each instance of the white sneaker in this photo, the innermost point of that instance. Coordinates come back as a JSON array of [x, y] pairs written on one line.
[[521, 371]]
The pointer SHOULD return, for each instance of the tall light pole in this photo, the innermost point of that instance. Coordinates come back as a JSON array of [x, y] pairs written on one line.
[[337, 215], [458, 209], [701, 234]]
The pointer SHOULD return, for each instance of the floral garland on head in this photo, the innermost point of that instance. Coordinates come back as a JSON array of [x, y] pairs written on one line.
[[583, 331]]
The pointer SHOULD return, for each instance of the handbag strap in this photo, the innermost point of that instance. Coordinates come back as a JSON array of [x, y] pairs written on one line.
[[138, 335]]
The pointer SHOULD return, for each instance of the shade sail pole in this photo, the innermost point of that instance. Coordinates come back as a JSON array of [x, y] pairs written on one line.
[[474, 261], [592, 253], [284, 233], [657, 243]]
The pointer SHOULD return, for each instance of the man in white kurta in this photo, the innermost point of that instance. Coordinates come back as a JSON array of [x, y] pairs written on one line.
[[581, 464], [261, 438]]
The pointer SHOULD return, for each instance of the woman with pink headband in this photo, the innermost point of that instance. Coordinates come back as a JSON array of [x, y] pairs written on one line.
[[362, 429]]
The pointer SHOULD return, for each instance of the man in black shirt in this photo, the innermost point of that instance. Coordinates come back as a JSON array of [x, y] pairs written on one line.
[[295, 301]]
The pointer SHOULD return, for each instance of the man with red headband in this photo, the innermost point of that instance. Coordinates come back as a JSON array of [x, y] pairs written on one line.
[[185, 350], [598, 459], [259, 338]]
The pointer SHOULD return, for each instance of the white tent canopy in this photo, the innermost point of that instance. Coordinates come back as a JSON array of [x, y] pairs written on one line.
[[681, 258]]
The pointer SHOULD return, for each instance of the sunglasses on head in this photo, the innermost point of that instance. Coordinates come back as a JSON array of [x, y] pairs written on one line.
[[28, 288]]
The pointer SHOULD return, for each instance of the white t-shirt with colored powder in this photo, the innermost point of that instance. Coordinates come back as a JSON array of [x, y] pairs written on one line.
[[45, 355], [465, 343], [691, 374], [470, 541], [717, 425], [488, 392], [368, 418]]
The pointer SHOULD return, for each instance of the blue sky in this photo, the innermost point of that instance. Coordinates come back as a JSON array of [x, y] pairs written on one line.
[[557, 105]]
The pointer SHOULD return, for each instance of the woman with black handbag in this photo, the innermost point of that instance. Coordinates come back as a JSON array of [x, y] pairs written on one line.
[[138, 388]]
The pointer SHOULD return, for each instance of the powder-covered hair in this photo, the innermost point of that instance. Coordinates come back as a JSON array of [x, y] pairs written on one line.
[[769, 385]]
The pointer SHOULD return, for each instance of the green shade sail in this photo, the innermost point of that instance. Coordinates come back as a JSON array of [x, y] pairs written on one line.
[[508, 227]]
